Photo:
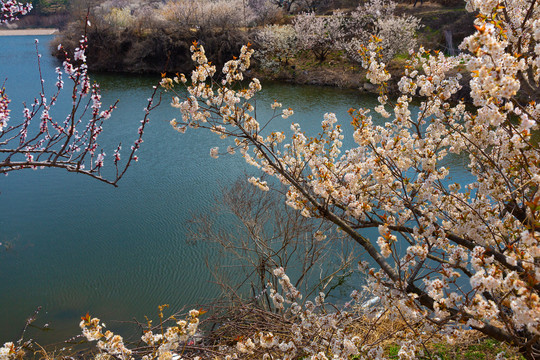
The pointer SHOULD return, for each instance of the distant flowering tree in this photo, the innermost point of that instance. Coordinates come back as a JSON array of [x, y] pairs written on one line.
[[39, 141], [277, 44], [376, 17], [397, 34], [449, 253], [319, 34]]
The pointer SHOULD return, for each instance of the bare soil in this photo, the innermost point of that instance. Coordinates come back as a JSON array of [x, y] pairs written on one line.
[[31, 32]]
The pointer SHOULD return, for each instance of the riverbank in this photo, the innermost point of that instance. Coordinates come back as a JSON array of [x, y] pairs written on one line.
[[164, 48], [442, 29], [28, 32]]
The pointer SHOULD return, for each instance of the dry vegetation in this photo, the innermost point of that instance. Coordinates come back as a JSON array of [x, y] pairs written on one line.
[[229, 323]]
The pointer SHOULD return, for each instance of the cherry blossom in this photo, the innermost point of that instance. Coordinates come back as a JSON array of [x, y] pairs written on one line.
[[469, 249]]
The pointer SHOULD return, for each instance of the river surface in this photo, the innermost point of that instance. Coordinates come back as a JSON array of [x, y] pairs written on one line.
[[74, 245]]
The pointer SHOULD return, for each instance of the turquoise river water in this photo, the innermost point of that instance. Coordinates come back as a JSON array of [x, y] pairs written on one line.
[[74, 245]]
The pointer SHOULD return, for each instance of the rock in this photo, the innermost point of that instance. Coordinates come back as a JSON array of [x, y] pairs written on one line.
[[369, 87]]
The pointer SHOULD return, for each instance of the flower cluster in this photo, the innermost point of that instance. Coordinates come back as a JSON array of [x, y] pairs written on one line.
[[313, 334], [8, 351], [164, 345], [11, 10], [4, 111], [107, 342]]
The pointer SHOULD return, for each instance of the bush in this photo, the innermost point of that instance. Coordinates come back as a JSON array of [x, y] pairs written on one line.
[[209, 15], [277, 44]]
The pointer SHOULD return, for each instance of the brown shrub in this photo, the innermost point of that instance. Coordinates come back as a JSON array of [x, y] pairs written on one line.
[[150, 50]]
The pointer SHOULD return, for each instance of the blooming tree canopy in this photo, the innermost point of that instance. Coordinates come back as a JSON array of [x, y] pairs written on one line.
[[377, 17], [276, 41], [470, 251], [319, 34]]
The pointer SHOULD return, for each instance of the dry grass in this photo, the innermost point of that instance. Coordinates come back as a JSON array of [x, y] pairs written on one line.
[[229, 323]]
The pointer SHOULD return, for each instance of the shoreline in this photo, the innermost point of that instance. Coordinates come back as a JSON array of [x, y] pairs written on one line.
[[28, 32]]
